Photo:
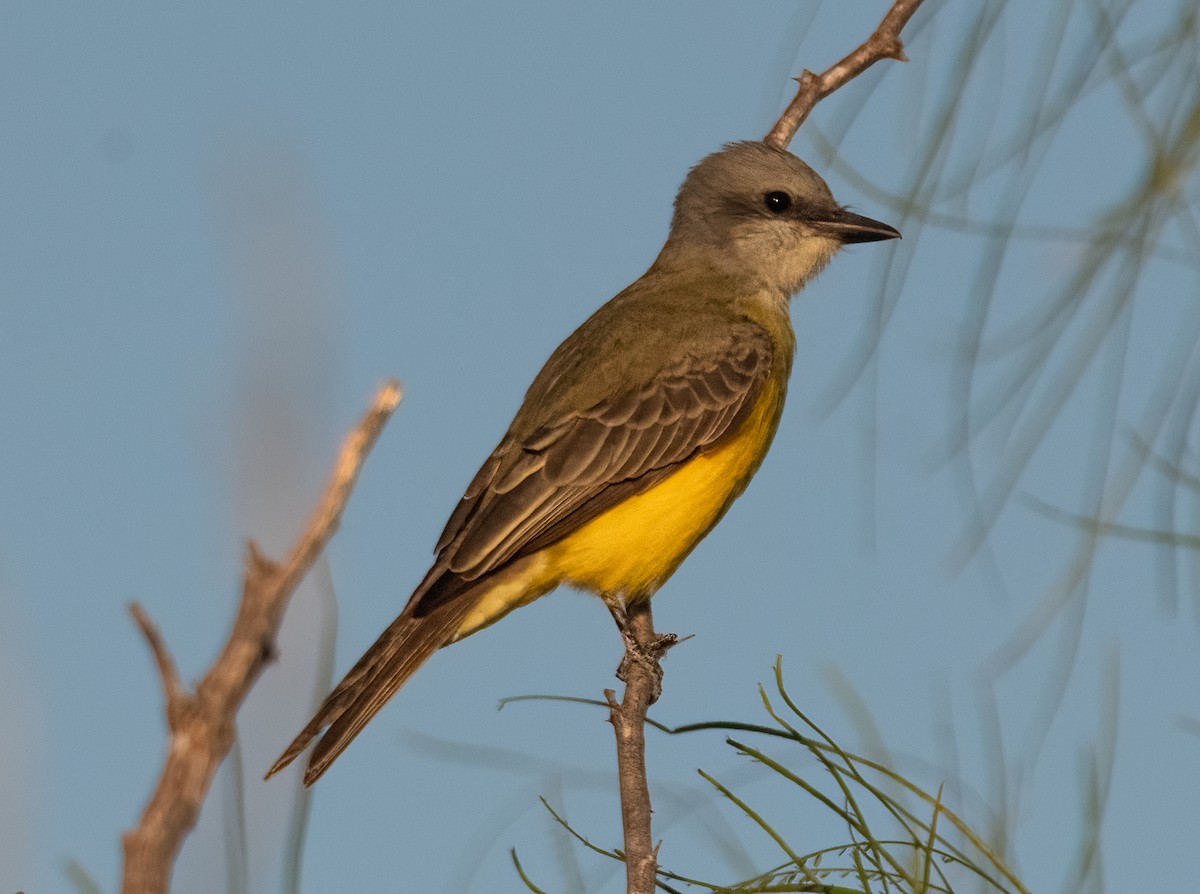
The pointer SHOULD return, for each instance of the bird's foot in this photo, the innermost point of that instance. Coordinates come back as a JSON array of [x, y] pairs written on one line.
[[648, 657], [642, 653]]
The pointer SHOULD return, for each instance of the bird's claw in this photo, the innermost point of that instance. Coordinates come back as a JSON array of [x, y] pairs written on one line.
[[647, 656], [643, 654]]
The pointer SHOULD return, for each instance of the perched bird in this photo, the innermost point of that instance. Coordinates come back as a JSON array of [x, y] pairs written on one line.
[[638, 433]]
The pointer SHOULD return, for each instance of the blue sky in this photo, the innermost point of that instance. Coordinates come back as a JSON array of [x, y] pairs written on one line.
[[225, 224]]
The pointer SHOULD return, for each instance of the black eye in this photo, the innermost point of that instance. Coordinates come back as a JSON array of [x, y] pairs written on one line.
[[777, 202]]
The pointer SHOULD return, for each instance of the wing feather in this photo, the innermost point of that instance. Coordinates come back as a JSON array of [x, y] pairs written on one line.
[[585, 441], [535, 490]]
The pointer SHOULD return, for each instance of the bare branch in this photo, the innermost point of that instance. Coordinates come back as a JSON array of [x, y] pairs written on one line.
[[884, 43], [176, 696], [202, 726], [642, 674]]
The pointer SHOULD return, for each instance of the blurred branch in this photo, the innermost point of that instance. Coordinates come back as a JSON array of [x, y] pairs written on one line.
[[1101, 528], [202, 724], [884, 43]]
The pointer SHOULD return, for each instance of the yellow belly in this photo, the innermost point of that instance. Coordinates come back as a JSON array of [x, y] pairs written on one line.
[[635, 546]]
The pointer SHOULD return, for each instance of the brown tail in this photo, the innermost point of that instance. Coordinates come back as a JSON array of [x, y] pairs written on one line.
[[400, 650]]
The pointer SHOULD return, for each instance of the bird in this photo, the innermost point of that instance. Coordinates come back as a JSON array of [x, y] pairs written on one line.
[[636, 436]]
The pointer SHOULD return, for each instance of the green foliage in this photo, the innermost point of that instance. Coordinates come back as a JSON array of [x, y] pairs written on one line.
[[81, 880], [899, 837]]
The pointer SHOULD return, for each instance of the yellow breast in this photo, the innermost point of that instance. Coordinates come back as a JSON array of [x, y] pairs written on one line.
[[635, 546]]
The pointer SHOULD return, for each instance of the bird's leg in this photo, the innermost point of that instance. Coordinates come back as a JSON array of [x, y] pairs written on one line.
[[642, 645]]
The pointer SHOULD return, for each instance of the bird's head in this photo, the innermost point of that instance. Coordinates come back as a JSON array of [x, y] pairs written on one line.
[[759, 212]]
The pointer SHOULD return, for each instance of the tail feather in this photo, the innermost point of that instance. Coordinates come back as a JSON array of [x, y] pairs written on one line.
[[402, 648]]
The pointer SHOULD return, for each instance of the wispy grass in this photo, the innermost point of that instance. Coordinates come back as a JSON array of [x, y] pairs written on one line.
[[899, 837], [293, 851], [81, 880], [992, 131]]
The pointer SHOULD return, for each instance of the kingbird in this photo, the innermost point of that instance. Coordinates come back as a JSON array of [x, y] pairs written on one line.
[[638, 433]]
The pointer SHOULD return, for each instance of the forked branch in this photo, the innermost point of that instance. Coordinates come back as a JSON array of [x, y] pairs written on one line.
[[201, 724]]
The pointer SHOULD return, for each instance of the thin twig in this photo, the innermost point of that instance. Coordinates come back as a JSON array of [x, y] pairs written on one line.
[[202, 725], [884, 43], [642, 674], [173, 689]]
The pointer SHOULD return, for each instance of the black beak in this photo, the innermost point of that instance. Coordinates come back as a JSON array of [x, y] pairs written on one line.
[[847, 227]]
